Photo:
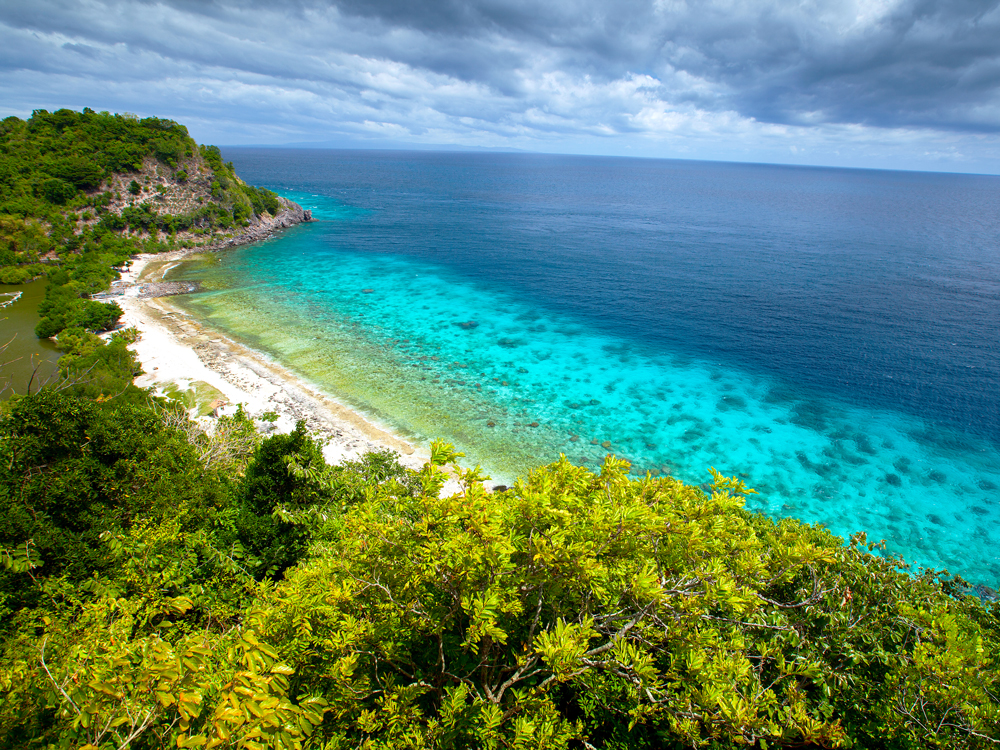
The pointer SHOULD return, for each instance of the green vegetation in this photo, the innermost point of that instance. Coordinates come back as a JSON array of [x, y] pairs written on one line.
[[77, 198], [62, 158], [21, 246], [162, 586]]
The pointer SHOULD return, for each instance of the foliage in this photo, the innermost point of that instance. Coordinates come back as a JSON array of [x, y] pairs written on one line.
[[286, 472], [153, 593], [56, 169], [229, 446], [62, 309], [57, 191], [22, 243], [97, 368], [75, 468]]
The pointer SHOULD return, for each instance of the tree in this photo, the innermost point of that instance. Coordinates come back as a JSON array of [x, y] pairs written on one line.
[[81, 172], [57, 191], [286, 472], [621, 613]]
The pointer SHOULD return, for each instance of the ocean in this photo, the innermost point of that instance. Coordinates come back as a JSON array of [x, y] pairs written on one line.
[[828, 335]]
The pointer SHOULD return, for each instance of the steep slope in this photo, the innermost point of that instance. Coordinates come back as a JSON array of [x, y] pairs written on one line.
[[80, 192], [199, 203]]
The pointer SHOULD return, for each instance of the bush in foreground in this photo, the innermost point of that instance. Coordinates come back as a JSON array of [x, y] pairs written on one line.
[[575, 610]]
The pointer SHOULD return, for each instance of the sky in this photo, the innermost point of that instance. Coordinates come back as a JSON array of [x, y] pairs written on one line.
[[899, 84]]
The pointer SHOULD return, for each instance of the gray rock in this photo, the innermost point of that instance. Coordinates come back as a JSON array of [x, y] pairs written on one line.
[[262, 227]]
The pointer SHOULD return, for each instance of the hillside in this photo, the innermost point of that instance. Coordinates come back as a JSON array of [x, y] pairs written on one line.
[[200, 203], [82, 191]]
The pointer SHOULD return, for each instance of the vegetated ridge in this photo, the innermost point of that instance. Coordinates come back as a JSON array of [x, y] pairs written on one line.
[[166, 586], [80, 192]]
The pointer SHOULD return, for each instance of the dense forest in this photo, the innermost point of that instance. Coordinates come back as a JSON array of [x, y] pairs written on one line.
[[164, 585]]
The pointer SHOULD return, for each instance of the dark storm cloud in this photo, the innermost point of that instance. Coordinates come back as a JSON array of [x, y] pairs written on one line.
[[509, 69], [920, 62], [923, 63]]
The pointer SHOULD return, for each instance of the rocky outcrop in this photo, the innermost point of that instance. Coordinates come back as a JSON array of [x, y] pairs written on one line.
[[146, 289], [185, 190], [263, 226]]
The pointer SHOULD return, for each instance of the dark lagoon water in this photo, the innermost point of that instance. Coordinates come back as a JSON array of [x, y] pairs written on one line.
[[25, 361], [831, 335]]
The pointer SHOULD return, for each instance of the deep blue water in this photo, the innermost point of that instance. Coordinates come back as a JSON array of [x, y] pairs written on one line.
[[831, 334]]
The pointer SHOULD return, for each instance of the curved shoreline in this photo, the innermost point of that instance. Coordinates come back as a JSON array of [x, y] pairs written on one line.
[[175, 350]]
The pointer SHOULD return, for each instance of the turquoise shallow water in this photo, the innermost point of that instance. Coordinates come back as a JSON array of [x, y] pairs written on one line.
[[514, 385], [440, 349]]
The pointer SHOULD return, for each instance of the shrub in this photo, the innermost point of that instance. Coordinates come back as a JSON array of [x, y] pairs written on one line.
[[57, 191], [82, 172]]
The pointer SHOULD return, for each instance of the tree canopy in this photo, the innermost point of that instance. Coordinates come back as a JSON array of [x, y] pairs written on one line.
[[155, 597]]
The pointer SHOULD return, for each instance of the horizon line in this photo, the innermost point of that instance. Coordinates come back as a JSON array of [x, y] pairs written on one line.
[[508, 150]]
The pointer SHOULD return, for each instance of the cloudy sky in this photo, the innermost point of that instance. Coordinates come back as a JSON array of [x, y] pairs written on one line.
[[912, 84]]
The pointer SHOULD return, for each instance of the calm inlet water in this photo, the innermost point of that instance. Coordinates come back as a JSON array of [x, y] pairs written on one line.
[[26, 362], [830, 335]]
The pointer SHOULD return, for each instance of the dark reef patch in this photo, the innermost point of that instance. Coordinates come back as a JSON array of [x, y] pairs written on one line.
[[779, 395], [810, 414], [731, 402], [839, 453], [824, 470], [863, 444], [902, 465]]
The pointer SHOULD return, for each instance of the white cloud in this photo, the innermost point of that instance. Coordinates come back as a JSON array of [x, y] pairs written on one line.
[[827, 81]]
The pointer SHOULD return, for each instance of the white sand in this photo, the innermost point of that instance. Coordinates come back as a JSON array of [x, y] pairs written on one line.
[[174, 349]]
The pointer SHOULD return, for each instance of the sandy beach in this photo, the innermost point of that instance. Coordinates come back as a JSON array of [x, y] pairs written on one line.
[[177, 352]]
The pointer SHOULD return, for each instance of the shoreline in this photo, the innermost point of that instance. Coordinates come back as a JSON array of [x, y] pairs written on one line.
[[176, 351]]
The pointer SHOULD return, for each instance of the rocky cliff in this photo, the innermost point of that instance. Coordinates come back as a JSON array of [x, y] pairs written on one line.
[[197, 203], [263, 225]]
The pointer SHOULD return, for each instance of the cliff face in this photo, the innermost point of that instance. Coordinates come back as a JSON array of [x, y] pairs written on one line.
[[179, 191], [261, 226], [191, 197]]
